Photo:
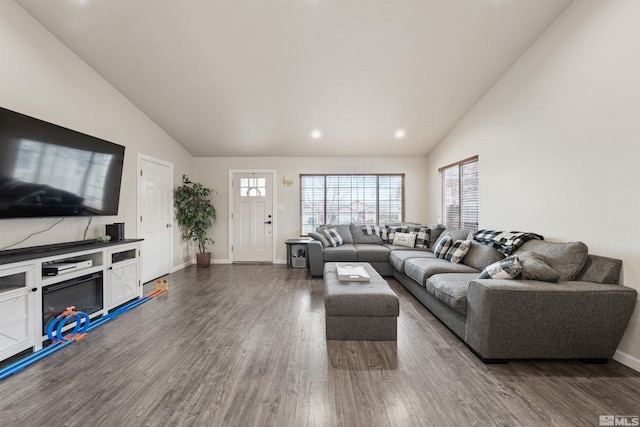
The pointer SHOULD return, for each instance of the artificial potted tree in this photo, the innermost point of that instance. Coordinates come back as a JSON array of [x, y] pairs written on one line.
[[195, 214]]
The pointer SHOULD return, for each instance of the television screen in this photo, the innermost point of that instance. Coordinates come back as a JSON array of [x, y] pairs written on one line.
[[48, 170]]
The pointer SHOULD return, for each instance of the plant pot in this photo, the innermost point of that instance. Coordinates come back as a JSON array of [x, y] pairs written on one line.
[[203, 259]]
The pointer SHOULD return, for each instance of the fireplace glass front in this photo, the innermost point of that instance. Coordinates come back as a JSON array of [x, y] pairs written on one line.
[[85, 293]]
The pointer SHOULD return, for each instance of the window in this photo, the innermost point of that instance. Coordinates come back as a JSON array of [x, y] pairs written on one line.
[[253, 187], [342, 199], [458, 201]]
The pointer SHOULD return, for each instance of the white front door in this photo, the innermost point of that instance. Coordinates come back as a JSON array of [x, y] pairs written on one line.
[[155, 200], [252, 217]]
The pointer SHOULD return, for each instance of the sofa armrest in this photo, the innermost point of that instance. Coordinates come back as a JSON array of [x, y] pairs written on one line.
[[316, 258], [526, 319]]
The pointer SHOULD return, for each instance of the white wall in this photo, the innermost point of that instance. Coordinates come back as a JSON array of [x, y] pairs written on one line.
[[559, 141], [214, 173], [40, 77]]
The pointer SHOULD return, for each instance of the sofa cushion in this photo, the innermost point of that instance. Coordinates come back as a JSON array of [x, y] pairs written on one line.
[[566, 258], [436, 231], [321, 237], [600, 269], [441, 249], [334, 237], [451, 289], [457, 234], [535, 267], [398, 257], [480, 256], [457, 251], [368, 252], [344, 253], [420, 269], [368, 233], [508, 268], [407, 240], [404, 248]]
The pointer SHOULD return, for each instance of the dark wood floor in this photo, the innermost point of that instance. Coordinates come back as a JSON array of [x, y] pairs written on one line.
[[245, 346]]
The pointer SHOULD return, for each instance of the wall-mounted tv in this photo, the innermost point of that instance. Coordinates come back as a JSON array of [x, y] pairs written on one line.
[[48, 170]]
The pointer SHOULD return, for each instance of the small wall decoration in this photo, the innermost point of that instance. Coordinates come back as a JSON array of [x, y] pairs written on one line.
[[287, 182]]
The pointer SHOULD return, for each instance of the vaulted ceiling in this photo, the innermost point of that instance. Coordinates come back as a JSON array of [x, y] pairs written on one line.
[[256, 77]]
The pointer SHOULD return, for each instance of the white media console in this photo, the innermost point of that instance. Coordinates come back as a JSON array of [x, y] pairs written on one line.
[[35, 284]]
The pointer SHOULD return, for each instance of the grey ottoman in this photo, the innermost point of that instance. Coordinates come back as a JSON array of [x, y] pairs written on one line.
[[359, 310]]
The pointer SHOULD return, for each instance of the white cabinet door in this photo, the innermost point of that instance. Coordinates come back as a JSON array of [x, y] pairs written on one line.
[[17, 310], [123, 283], [123, 278]]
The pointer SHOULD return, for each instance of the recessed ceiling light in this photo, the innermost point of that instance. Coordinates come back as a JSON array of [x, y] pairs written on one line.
[[399, 134], [316, 134]]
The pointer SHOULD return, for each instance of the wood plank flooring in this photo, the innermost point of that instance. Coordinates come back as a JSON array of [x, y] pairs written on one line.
[[244, 345]]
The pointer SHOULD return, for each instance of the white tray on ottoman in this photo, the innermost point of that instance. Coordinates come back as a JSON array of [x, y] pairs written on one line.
[[352, 272]]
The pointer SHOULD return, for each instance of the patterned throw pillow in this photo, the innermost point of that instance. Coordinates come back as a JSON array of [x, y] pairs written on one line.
[[508, 268], [405, 239], [334, 237], [423, 234], [458, 250], [393, 229], [443, 246], [374, 230]]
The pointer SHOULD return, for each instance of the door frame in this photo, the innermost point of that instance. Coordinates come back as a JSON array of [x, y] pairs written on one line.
[[274, 207], [139, 160]]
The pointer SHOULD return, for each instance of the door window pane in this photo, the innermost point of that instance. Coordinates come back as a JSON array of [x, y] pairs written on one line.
[[253, 187]]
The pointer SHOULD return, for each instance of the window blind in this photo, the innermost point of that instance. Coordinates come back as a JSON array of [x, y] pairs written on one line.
[[458, 201], [358, 198]]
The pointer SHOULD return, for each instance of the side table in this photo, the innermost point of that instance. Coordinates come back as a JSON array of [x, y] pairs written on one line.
[[297, 252]]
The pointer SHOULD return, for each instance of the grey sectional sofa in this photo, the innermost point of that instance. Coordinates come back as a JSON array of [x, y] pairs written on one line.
[[581, 316], [357, 247]]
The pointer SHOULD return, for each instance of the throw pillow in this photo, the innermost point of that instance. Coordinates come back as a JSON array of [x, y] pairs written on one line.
[[535, 267], [458, 250], [508, 268], [393, 229], [334, 237], [405, 239], [422, 237], [321, 237], [374, 230], [443, 246]]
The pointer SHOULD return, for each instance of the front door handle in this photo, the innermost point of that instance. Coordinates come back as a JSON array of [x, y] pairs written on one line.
[[267, 222]]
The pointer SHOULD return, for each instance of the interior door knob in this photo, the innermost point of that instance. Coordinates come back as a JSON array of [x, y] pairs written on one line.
[[168, 225], [267, 222]]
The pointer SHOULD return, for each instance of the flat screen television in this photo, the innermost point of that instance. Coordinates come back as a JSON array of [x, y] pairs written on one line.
[[51, 171]]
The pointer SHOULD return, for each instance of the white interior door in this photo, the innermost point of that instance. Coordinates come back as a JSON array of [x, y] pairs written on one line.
[[155, 200], [252, 217]]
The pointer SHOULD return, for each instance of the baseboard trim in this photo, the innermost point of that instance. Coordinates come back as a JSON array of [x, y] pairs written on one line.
[[187, 264], [628, 360], [181, 266], [280, 261]]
